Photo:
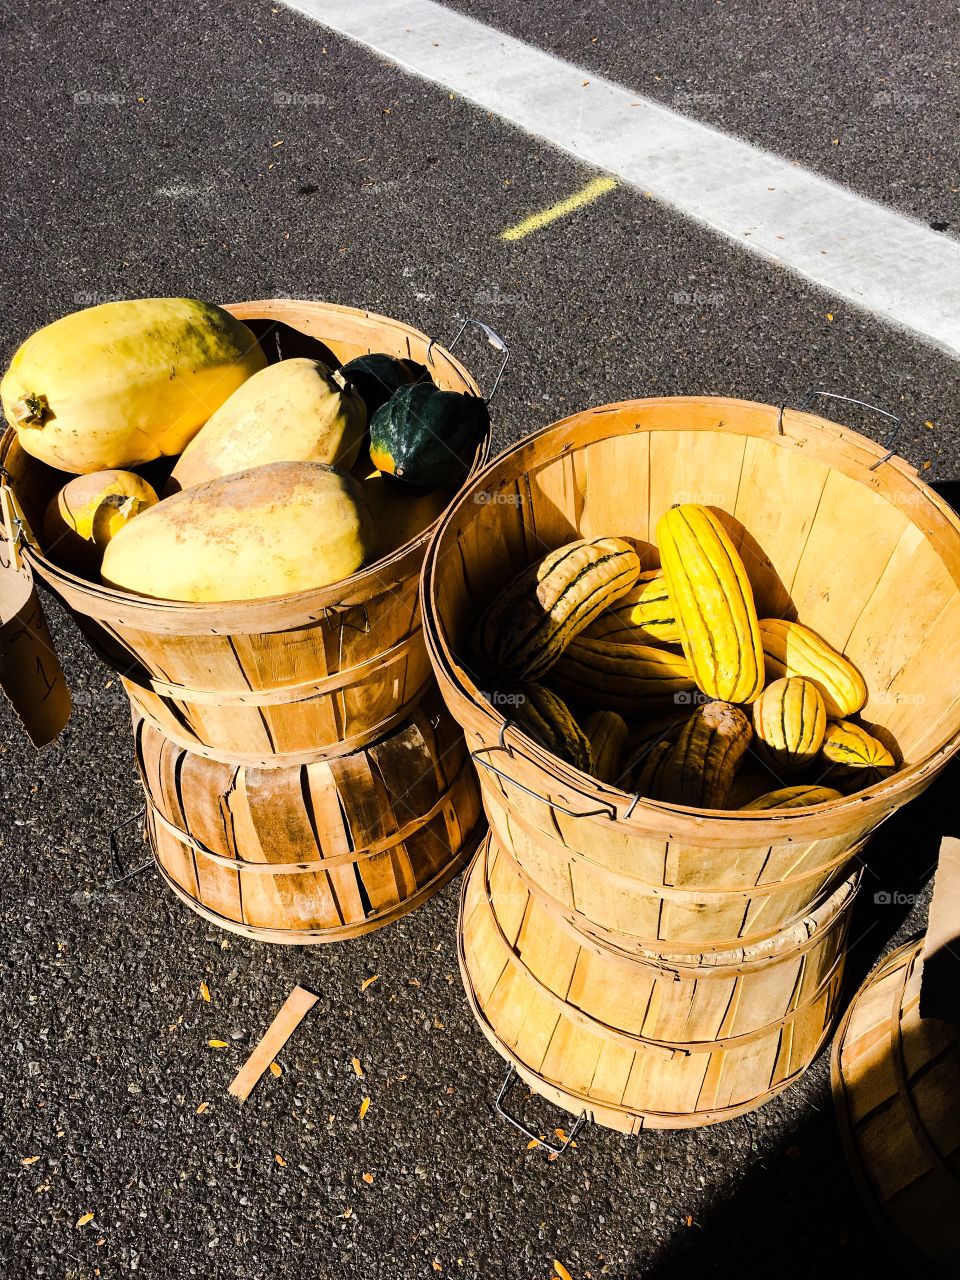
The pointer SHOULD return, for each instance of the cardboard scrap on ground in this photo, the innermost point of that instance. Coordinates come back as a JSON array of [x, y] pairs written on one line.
[[294, 1009]]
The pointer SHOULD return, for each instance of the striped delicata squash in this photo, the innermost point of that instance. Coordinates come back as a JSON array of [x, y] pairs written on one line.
[[794, 797], [629, 678], [531, 622], [547, 719], [791, 649], [788, 723], [855, 753], [713, 601], [701, 763], [647, 775], [645, 615], [608, 735]]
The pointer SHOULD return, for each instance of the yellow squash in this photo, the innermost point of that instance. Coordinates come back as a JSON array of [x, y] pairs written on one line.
[[794, 798], [788, 724], [282, 528], [125, 382], [791, 649], [292, 411], [630, 678], [87, 512], [713, 600], [856, 754], [645, 615]]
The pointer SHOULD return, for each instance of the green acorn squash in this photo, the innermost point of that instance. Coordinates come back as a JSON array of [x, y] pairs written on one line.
[[376, 377], [427, 438]]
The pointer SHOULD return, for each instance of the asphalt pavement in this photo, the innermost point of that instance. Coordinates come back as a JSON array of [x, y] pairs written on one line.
[[236, 150]]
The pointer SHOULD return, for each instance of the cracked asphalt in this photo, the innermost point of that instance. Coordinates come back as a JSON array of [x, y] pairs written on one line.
[[239, 151]]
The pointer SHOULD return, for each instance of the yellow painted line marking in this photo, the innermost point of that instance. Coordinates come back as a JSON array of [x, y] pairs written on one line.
[[592, 191]]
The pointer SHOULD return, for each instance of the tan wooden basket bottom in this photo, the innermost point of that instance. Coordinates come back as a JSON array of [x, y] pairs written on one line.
[[635, 1042], [316, 852], [896, 1090], [313, 937]]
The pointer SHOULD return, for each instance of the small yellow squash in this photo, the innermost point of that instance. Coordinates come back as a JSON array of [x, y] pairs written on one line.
[[534, 618], [608, 734], [633, 679], [794, 797], [856, 754], [90, 510], [700, 766], [791, 649], [788, 724], [645, 615], [548, 720]]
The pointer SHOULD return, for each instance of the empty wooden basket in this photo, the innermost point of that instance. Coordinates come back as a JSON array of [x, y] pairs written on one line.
[[644, 1041], [309, 675], [313, 852], [832, 531], [896, 1088]]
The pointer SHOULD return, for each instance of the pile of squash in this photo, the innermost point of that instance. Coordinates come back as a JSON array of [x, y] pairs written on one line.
[[205, 471], [666, 684]]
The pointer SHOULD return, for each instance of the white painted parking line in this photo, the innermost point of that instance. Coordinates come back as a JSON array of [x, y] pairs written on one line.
[[873, 257]]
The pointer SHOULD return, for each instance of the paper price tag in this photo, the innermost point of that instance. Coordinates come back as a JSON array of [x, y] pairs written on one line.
[[30, 671]]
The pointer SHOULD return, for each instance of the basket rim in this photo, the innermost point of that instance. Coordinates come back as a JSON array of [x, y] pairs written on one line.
[[385, 572], [542, 765]]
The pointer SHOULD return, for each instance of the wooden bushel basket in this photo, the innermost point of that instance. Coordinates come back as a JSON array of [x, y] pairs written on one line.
[[307, 676], [896, 1089], [833, 531], [644, 1041], [314, 852]]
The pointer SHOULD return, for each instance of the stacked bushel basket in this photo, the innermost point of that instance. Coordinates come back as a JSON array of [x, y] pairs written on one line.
[[303, 780], [648, 964]]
